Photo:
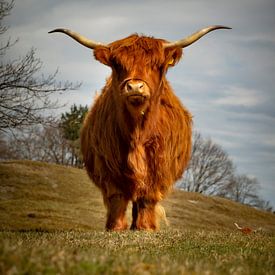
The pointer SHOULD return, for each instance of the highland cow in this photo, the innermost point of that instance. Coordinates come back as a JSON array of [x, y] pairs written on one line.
[[136, 138]]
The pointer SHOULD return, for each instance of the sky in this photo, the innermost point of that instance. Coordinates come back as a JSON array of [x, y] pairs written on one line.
[[226, 79]]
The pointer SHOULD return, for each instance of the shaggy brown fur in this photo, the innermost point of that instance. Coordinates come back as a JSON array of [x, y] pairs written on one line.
[[135, 152]]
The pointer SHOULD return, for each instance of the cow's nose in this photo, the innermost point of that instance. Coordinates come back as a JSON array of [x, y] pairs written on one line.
[[135, 86]]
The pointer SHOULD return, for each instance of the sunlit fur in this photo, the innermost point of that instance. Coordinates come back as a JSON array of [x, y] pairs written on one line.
[[132, 156]]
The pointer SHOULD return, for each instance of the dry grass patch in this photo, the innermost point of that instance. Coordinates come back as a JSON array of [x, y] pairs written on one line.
[[165, 252]]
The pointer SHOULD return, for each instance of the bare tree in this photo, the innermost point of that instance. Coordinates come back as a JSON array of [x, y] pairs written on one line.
[[245, 189], [5, 8], [56, 148], [263, 204], [40, 143], [242, 189], [58, 142], [24, 95], [209, 169], [5, 152]]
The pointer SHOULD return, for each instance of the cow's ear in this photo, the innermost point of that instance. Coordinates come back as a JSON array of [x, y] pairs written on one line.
[[102, 54], [173, 56]]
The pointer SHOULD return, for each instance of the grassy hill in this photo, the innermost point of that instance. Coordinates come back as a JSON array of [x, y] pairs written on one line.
[[44, 196], [52, 221]]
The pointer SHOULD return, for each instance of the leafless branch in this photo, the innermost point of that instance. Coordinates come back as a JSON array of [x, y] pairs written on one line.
[[209, 169], [25, 93]]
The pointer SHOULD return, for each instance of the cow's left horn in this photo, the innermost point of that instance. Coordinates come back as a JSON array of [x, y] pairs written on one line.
[[79, 38], [193, 37]]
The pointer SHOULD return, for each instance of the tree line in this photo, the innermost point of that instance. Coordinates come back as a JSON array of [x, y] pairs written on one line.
[[212, 172], [56, 142], [27, 131]]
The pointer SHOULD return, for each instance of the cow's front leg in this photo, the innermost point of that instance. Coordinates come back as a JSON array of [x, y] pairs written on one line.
[[116, 213], [144, 215]]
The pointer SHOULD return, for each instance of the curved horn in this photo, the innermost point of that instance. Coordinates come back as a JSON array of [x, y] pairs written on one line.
[[79, 38], [193, 37]]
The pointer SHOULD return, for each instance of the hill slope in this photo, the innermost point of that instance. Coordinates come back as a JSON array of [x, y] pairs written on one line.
[[40, 196]]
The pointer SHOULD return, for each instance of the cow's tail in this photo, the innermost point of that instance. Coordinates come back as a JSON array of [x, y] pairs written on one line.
[[161, 214]]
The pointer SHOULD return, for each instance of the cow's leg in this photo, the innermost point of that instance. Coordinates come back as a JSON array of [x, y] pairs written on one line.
[[144, 215], [134, 216], [116, 211]]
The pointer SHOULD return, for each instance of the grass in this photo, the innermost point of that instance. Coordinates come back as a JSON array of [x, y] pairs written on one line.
[[52, 222], [38, 195], [164, 252]]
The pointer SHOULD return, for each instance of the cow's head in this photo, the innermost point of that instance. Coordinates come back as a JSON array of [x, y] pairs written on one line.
[[138, 64]]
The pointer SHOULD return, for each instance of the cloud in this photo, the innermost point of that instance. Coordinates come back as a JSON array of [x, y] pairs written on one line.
[[236, 96]]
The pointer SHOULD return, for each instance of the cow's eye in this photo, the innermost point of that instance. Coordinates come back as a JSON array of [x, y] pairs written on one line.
[[117, 66]]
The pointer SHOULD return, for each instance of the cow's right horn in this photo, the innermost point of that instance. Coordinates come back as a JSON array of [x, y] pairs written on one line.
[[79, 38]]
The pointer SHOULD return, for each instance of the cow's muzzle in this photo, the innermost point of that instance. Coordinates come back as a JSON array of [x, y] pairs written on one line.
[[136, 92]]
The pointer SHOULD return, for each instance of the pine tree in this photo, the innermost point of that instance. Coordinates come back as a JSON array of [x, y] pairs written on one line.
[[71, 123]]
